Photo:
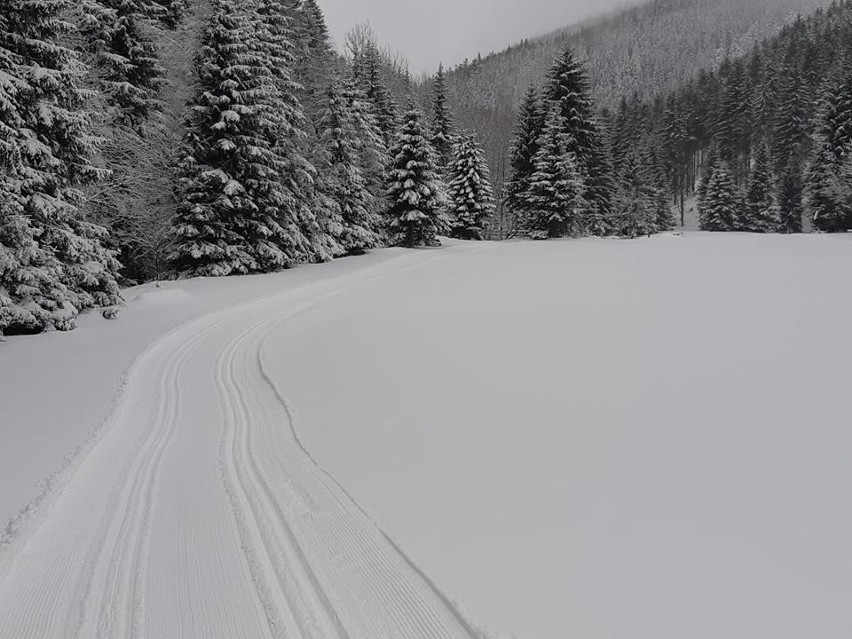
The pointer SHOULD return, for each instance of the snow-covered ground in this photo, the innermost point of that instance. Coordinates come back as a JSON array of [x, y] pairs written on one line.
[[644, 439]]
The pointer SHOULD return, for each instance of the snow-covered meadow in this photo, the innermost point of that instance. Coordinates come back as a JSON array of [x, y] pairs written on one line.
[[591, 438], [645, 439]]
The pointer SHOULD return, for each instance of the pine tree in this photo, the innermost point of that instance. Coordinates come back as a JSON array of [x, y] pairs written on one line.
[[720, 208], [828, 190], [372, 152], [415, 189], [470, 192], [567, 88], [128, 71], [237, 214], [367, 68], [760, 213], [310, 215], [442, 126], [173, 12], [347, 186], [54, 262], [557, 194], [524, 150], [637, 199], [790, 198], [827, 187]]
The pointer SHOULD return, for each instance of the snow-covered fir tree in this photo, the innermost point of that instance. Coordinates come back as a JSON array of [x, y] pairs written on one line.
[[54, 263], [760, 213], [415, 190], [524, 149], [790, 198], [637, 200], [371, 149], [556, 199], [367, 69], [238, 214], [470, 193], [721, 205], [357, 225], [127, 70], [442, 126], [828, 189]]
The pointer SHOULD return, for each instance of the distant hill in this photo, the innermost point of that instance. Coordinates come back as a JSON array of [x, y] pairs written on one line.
[[648, 48]]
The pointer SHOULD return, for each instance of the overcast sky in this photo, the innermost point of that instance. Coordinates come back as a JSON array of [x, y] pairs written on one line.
[[431, 31]]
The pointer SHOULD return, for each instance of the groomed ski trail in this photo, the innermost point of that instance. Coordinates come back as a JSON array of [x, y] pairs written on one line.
[[200, 514]]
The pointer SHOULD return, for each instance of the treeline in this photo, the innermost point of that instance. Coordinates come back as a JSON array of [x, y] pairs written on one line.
[[145, 138], [563, 178], [650, 49], [766, 140]]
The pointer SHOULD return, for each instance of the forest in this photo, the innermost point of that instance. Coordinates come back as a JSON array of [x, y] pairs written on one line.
[[151, 139]]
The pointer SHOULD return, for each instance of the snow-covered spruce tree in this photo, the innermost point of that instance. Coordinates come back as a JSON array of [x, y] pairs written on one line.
[[760, 214], [470, 193], [309, 214], [524, 149], [567, 87], [173, 11], [722, 204], [127, 71], [557, 195], [367, 68], [55, 263], [442, 125], [357, 227], [237, 214], [372, 152], [828, 191], [790, 198], [415, 190], [636, 200]]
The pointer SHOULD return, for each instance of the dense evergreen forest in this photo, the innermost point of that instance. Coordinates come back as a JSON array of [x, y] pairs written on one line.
[[143, 139], [648, 49]]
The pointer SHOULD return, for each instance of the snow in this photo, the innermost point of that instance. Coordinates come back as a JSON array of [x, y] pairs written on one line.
[[643, 439], [591, 438]]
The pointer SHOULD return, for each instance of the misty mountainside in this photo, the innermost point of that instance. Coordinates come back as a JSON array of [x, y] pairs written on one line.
[[648, 48]]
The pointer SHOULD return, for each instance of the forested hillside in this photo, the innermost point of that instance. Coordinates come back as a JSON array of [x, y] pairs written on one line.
[[647, 50], [143, 139], [650, 48]]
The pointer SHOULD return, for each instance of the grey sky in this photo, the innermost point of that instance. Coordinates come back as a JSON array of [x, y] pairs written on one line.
[[431, 31]]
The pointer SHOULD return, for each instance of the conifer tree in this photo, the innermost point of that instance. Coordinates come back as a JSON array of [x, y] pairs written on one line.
[[54, 262], [470, 192], [128, 70], [367, 68], [373, 154], [790, 195], [567, 88], [638, 200], [557, 194], [524, 150], [415, 190], [357, 229], [828, 190], [721, 206], [760, 214], [237, 214], [442, 126]]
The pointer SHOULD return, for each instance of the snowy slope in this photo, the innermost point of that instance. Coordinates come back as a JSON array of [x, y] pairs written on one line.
[[595, 438]]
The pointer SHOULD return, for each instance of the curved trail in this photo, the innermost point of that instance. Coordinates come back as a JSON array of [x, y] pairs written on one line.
[[200, 514]]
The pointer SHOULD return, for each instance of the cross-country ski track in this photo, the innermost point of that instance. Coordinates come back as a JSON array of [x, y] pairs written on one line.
[[199, 513]]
